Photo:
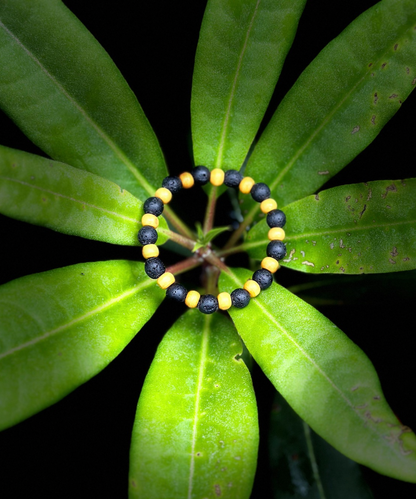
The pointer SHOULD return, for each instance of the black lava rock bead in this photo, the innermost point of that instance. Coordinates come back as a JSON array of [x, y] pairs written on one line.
[[276, 249], [154, 268], [174, 184], [176, 292], [259, 192], [154, 206], [232, 178], [147, 235], [208, 304], [240, 298], [276, 218], [263, 277], [201, 175]]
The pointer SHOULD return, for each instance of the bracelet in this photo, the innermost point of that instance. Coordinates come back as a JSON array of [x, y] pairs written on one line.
[[262, 278]]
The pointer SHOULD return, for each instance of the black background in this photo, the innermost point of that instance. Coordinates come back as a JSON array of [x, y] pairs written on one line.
[[79, 447]]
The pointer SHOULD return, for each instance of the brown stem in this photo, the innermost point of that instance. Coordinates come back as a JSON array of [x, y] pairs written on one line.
[[209, 256], [184, 265], [177, 223], [210, 211], [177, 238]]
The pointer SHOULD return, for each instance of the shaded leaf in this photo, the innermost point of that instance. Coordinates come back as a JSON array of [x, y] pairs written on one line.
[[65, 93], [339, 104], [351, 229], [63, 198], [59, 328], [195, 433], [240, 54], [325, 377], [303, 465]]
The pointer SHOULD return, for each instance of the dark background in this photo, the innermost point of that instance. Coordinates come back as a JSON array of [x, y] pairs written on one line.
[[79, 447]]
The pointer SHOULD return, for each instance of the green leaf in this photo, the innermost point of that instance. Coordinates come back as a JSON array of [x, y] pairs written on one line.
[[304, 466], [339, 104], [210, 235], [352, 229], [69, 200], [60, 328], [325, 377], [65, 93], [195, 433], [241, 50]]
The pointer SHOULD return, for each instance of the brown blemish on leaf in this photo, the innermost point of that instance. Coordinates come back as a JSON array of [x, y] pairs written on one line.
[[293, 251], [363, 210], [407, 70], [341, 243], [133, 483], [370, 64], [355, 388], [217, 489], [392, 261], [331, 245], [403, 183], [393, 96], [394, 252], [347, 199], [302, 253], [355, 129], [310, 264], [389, 188], [198, 454], [383, 65], [317, 197], [342, 269], [375, 98], [326, 172], [376, 397], [395, 47], [414, 81], [373, 119], [337, 262], [406, 259]]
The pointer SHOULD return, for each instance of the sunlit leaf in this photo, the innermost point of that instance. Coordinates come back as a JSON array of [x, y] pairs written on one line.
[[195, 433], [339, 104], [304, 466], [65, 93], [63, 198], [325, 377], [240, 54], [59, 328], [351, 229]]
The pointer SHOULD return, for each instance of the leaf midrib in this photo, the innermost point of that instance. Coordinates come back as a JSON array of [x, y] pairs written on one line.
[[116, 150], [77, 320], [83, 203]]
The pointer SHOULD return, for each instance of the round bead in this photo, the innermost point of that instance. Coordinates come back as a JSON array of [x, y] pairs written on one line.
[[240, 298], [276, 250], [252, 287], [276, 218], [154, 206], [201, 175], [192, 299], [276, 234], [263, 277], [224, 301], [268, 205], [270, 264], [217, 177], [246, 184], [150, 251], [149, 219], [232, 178], [165, 280], [176, 292], [164, 194], [147, 235], [187, 180], [208, 304], [154, 268], [174, 184], [259, 192]]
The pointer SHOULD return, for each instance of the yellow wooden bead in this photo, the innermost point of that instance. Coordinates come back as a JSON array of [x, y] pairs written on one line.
[[187, 180], [217, 177], [276, 234], [149, 219], [165, 280], [192, 299], [150, 251], [246, 184], [268, 205], [164, 194], [224, 301], [252, 287], [270, 264]]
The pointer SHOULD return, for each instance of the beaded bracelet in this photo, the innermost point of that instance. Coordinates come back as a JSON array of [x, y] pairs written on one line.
[[261, 279]]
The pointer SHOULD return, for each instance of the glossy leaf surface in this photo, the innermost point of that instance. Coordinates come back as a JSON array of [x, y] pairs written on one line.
[[195, 433], [351, 229], [60, 328], [240, 54], [63, 198], [65, 93], [304, 466], [339, 104], [325, 377]]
